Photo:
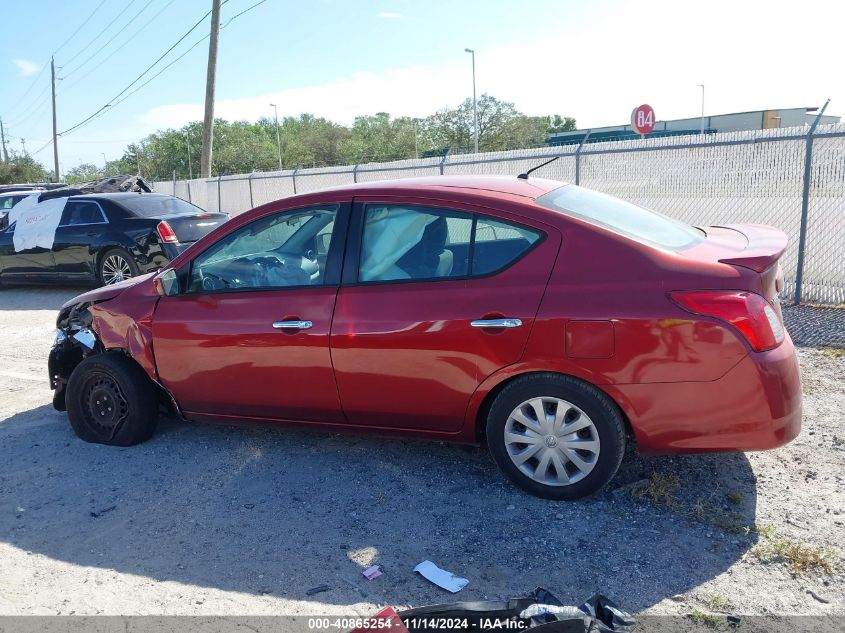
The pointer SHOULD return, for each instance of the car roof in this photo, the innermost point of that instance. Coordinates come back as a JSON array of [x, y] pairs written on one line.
[[510, 185], [119, 195]]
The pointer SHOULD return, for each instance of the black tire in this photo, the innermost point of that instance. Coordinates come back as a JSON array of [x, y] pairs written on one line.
[[607, 425], [110, 400], [116, 257]]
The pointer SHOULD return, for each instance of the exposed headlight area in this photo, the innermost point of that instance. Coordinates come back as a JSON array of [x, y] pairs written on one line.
[[74, 341]]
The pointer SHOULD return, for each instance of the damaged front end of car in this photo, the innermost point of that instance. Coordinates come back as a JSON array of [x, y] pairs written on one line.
[[75, 341]]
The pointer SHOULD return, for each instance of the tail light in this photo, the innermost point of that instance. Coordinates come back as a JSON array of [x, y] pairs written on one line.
[[166, 234], [749, 313]]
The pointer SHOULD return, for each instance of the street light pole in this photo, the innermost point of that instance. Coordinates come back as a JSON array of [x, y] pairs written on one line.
[[702, 107], [190, 169], [105, 163], [474, 102], [278, 140]]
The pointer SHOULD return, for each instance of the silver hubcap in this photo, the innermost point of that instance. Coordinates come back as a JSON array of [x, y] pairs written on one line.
[[116, 269], [552, 441]]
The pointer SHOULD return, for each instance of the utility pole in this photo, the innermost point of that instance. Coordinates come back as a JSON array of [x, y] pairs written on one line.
[[23, 145], [190, 171], [208, 123], [55, 135], [278, 140], [3, 139]]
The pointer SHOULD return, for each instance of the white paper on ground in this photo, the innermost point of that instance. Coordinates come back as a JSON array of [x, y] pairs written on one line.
[[36, 225], [441, 577]]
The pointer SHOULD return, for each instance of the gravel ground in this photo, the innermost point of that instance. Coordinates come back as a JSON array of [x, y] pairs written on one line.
[[217, 520]]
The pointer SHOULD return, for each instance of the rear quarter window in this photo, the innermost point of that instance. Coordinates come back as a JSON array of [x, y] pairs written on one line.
[[630, 220]]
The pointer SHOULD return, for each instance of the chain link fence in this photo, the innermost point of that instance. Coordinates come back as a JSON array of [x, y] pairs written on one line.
[[754, 176]]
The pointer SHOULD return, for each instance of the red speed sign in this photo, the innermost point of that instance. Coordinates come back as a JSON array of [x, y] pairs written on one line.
[[642, 119]]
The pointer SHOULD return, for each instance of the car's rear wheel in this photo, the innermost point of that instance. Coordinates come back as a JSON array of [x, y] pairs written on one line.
[[116, 265], [110, 400], [555, 436]]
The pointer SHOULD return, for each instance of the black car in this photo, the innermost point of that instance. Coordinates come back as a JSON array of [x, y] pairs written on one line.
[[100, 238]]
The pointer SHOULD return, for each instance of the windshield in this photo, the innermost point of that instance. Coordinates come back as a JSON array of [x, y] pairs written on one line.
[[157, 206], [623, 217]]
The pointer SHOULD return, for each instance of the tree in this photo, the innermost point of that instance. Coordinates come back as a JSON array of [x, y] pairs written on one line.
[[84, 172], [310, 141], [21, 168], [377, 138], [500, 127]]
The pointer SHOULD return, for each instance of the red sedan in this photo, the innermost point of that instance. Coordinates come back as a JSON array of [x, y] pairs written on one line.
[[552, 322]]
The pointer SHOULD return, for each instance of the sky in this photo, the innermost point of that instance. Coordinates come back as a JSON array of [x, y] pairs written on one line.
[[594, 61]]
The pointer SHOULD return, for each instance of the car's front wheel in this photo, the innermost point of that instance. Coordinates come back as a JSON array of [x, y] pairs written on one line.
[[116, 265], [555, 436], [110, 400]]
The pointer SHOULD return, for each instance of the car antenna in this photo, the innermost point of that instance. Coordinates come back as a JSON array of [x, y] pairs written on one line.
[[525, 175]]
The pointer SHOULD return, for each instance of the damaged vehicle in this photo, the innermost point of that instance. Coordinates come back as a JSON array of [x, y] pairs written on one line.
[[99, 233], [553, 323]]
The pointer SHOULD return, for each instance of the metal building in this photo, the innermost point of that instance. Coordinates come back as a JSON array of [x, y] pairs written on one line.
[[756, 120]]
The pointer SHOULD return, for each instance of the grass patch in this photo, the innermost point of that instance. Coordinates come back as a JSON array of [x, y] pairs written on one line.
[[734, 498], [800, 558], [707, 619], [758, 528], [835, 352], [660, 488], [719, 603]]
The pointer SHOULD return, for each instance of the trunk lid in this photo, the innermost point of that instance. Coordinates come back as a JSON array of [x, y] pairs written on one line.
[[750, 247], [191, 227]]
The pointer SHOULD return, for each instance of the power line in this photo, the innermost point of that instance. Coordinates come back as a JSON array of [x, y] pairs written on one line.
[[119, 48], [25, 116], [138, 78], [97, 37], [79, 28], [192, 47], [44, 65], [28, 90], [116, 100]]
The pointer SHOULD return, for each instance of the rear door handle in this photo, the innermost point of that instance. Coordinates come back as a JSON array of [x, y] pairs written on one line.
[[292, 325], [499, 323]]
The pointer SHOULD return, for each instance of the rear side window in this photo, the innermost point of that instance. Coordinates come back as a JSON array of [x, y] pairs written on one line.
[[423, 243], [157, 206], [498, 244], [622, 217], [81, 213]]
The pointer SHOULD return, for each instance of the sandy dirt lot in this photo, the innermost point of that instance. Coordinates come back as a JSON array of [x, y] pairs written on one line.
[[218, 520]]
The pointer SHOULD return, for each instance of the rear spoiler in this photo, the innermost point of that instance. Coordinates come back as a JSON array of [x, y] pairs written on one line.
[[766, 244]]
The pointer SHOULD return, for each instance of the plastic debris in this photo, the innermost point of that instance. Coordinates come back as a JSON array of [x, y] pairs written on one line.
[[440, 577], [372, 572], [540, 610]]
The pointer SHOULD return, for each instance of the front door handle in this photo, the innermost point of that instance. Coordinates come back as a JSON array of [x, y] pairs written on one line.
[[292, 325], [498, 323]]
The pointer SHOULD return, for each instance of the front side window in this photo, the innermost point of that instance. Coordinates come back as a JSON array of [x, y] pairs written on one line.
[[622, 217], [416, 243], [81, 213], [279, 251]]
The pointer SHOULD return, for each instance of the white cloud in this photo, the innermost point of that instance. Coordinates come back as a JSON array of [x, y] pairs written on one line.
[[26, 67], [389, 15], [595, 73]]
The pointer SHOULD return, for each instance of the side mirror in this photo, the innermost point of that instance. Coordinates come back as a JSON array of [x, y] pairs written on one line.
[[167, 283]]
